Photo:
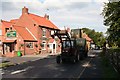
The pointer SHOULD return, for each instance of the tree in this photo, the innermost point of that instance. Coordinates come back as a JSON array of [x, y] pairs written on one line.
[[97, 37], [111, 13]]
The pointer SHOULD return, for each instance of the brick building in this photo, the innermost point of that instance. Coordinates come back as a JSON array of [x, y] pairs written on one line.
[[89, 40], [30, 34], [0, 40]]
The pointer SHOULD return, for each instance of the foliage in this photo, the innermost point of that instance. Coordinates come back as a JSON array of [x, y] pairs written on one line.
[[97, 37], [6, 64], [111, 13], [108, 70], [112, 50]]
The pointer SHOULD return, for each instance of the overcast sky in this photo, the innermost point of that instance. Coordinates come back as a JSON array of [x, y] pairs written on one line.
[[69, 13]]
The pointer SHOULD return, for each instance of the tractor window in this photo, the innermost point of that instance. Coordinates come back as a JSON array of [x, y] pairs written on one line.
[[66, 44]]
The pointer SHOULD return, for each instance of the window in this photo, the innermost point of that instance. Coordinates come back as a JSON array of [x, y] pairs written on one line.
[[52, 32], [30, 45], [6, 29], [44, 45], [66, 44], [44, 32], [53, 46]]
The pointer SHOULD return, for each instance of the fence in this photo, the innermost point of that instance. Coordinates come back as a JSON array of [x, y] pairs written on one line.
[[114, 57]]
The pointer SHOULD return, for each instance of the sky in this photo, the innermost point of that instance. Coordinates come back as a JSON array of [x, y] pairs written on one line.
[[68, 13]]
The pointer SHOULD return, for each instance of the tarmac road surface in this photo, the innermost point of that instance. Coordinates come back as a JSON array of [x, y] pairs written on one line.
[[48, 68]]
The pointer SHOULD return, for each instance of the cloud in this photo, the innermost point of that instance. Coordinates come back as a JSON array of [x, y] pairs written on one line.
[[72, 13]]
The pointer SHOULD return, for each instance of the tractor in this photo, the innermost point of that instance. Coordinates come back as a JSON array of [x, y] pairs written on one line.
[[72, 48]]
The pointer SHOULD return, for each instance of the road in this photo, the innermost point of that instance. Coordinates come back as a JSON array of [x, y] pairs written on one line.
[[48, 68]]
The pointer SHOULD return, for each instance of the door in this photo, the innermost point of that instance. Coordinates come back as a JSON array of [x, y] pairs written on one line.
[[54, 48], [9, 47]]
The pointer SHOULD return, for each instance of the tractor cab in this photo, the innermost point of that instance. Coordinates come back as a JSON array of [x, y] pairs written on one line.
[[67, 47], [72, 49]]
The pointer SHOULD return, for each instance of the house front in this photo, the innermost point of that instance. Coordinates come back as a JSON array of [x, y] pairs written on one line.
[[30, 34]]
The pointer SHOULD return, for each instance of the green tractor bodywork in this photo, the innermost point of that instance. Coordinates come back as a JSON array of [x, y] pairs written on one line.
[[82, 47]]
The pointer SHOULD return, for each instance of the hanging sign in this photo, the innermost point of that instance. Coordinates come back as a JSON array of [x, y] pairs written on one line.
[[11, 34]]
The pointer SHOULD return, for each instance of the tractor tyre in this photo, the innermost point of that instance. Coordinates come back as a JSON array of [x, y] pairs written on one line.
[[58, 59]]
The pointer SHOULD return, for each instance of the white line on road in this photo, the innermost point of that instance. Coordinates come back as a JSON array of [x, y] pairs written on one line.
[[19, 71], [15, 72], [2, 73], [85, 66]]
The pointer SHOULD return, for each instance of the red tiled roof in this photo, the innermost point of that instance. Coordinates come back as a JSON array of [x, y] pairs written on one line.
[[13, 20], [23, 32], [42, 21], [6, 23]]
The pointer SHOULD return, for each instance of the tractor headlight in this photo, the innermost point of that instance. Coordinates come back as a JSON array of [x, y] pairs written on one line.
[[65, 50]]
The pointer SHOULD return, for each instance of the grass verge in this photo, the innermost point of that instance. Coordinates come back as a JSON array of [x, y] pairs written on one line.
[[5, 64], [109, 71]]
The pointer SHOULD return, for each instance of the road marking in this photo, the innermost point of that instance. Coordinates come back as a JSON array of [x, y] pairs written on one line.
[[2, 73], [85, 66], [15, 72], [19, 71]]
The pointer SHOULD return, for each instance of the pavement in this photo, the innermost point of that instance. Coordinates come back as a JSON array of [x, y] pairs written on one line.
[[26, 58]]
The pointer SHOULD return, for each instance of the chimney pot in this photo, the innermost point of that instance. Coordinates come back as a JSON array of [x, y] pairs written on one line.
[[24, 10], [46, 16]]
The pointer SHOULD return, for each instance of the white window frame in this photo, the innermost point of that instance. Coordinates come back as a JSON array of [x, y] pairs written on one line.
[[32, 45], [44, 43]]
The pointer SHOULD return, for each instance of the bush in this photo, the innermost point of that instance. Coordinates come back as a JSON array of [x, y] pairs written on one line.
[[112, 50], [107, 67]]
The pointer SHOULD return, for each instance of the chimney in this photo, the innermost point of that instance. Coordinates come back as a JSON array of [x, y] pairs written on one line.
[[46, 16], [24, 10]]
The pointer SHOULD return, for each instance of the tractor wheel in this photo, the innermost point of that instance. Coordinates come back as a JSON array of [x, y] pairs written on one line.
[[63, 60], [81, 57], [58, 59], [73, 60], [86, 55]]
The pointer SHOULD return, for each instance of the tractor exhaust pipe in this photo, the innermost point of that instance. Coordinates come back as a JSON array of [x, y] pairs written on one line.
[[80, 35]]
